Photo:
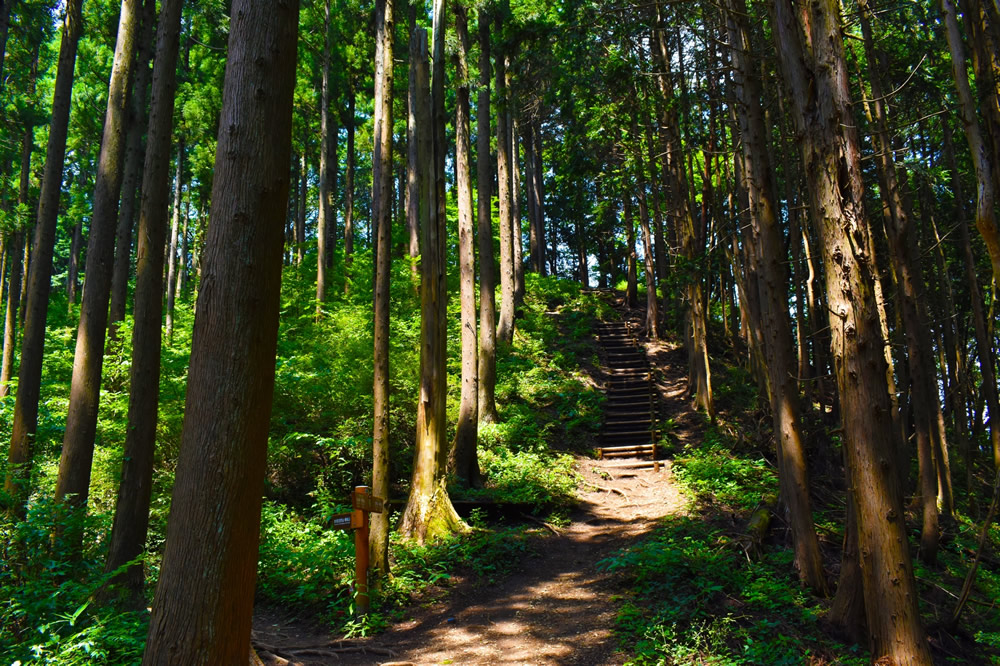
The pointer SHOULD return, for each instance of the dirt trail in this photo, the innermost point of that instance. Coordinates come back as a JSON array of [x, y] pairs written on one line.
[[558, 607]]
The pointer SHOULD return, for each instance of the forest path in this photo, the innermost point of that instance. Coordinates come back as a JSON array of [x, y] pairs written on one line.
[[558, 606]]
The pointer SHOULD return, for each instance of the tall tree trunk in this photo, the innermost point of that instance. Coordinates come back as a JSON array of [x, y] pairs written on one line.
[[539, 192], [631, 288], [382, 221], [326, 221], [534, 248], [429, 513], [412, 184], [464, 462], [517, 243], [73, 482], [810, 48], [772, 283], [505, 322], [73, 271], [349, 190], [652, 310], [985, 203], [487, 265], [131, 522], [133, 164], [300, 220], [215, 511], [174, 231], [39, 270], [909, 274], [16, 246]]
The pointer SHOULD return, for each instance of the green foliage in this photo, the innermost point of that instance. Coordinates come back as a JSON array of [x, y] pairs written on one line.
[[712, 470], [47, 610], [301, 563]]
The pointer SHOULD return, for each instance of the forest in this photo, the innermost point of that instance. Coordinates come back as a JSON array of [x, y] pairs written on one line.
[[257, 253]]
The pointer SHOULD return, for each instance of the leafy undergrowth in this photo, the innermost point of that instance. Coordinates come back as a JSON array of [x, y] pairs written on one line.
[[319, 449], [700, 593]]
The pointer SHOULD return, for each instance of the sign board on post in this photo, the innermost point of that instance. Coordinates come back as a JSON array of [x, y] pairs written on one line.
[[341, 521], [357, 520], [366, 502], [360, 552]]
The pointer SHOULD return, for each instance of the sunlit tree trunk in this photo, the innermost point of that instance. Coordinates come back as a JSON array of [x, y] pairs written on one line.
[[652, 309], [631, 288], [769, 254], [39, 270], [73, 482], [429, 513], [132, 178], [174, 232], [505, 321], [810, 47], [215, 511], [131, 521], [985, 203], [909, 274], [326, 219], [487, 274], [412, 186], [382, 221], [464, 462]]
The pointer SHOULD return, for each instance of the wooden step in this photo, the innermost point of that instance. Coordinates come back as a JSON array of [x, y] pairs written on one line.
[[626, 451], [635, 464]]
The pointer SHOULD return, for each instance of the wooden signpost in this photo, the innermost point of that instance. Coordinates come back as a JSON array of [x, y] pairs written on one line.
[[357, 520]]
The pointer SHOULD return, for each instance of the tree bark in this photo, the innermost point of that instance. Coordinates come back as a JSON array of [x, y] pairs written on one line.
[[174, 232], [539, 193], [73, 482], [505, 322], [133, 164], [349, 184], [131, 521], [487, 264], [464, 462], [382, 221], [810, 47], [517, 243], [412, 184], [631, 288], [326, 219], [652, 309], [215, 512], [73, 271], [909, 275], [39, 270], [429, 513], [768, 251], [985, 202]]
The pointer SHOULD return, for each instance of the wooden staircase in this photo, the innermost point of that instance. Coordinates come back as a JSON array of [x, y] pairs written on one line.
[[630, 408]]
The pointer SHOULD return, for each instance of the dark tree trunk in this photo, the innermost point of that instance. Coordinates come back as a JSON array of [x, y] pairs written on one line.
[[382, 221], [487, 275], [505, 321], [174, 232], [215, 512], [73, 482], [412, 186], [810, 47], [133, 165], [39, 270], [73, 272], [631, 288], [429, 513], [464, 462], [768, 252], [131, 522], [326, 219]]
